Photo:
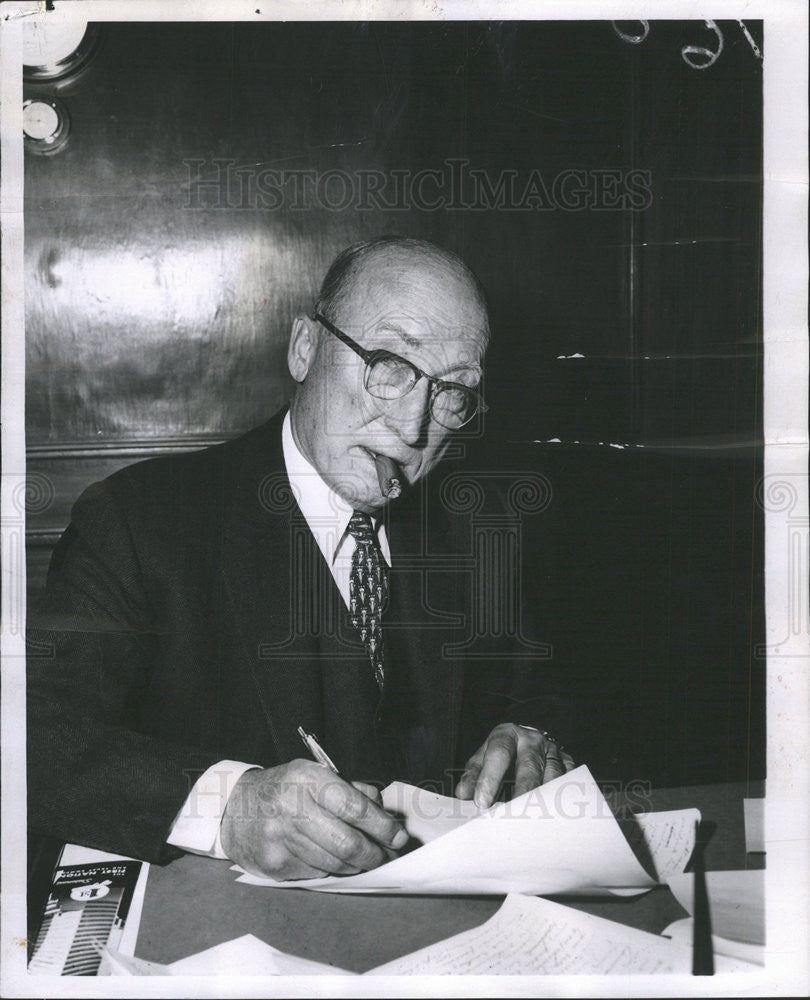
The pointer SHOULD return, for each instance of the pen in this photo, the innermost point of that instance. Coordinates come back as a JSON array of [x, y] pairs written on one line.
[[317, 750]]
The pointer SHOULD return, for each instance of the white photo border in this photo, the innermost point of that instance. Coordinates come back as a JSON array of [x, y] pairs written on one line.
[[786, 451]]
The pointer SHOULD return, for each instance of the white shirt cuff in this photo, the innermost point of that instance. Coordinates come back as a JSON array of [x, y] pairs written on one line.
[[196, 828]]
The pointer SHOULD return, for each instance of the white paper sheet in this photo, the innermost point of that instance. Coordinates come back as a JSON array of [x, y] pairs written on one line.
[[427, 815], [754, 817], [736, 903], [243, 956], [247, 955], [560, 838], [668, 837], [682, 931]]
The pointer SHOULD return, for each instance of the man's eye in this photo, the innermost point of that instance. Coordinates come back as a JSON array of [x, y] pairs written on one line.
[[390, 378], [469, 381]]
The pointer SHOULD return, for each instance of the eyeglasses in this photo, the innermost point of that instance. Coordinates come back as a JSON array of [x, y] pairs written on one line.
[[388, 376]]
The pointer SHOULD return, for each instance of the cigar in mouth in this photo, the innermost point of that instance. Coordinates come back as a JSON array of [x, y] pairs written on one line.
[[389, 475]]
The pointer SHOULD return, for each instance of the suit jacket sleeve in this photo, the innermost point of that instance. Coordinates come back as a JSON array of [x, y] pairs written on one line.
[[92, 777]]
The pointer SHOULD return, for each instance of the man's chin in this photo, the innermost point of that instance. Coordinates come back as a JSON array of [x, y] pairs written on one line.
[[357, 493]]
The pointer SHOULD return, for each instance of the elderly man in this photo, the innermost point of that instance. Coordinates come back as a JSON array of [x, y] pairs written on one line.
[[200, 609]]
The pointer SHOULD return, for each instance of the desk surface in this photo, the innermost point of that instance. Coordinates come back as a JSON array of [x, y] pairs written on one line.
[[195, 903]]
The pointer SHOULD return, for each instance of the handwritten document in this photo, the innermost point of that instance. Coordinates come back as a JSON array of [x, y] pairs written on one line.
[[662, 841], [530, 936], [558, 839]]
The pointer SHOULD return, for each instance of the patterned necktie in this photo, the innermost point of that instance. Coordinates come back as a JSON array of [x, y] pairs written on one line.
[[368, 590]]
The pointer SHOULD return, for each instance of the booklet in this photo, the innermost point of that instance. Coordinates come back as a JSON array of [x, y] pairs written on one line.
[[92, 905]]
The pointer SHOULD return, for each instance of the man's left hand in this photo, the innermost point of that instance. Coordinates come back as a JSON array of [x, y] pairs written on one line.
[[537, 758]]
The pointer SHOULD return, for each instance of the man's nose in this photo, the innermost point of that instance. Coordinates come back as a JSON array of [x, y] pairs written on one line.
[[409, 414]]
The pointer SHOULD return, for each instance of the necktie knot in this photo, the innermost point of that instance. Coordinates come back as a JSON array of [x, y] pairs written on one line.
[[361, 528]]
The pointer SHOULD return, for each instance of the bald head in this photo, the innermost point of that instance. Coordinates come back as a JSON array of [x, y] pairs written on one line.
[[402, 260]]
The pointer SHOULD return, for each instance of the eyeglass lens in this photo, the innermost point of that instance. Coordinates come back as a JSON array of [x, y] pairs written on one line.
[[390, 378]]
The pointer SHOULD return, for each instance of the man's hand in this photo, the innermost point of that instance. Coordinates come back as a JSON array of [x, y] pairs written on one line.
[[536, 757], [299, 820]]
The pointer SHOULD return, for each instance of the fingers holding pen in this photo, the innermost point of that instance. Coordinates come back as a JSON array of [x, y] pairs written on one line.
[[300, 820]]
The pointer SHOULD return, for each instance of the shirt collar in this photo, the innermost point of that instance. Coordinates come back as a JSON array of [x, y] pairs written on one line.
[[326, 513]]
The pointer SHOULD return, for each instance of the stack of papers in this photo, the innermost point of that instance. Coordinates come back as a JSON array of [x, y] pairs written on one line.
[[558, 839], [527, 936]]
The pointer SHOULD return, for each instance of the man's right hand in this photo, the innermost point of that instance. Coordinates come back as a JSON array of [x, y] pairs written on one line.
[[300, 820]]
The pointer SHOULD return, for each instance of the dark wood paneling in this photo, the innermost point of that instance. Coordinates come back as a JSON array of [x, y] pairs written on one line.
[[159, 307], [57, 474]]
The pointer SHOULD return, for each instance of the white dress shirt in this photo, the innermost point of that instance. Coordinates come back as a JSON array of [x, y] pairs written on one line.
[[196, 828]]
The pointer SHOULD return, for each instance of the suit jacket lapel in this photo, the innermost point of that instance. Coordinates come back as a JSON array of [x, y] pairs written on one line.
[[262, 544]]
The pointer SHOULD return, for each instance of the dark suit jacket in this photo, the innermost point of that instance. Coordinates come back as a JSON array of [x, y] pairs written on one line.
[[189, 617]]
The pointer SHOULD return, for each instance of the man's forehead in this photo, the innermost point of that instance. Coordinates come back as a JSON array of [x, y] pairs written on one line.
[[419, 329], [423, 334], [416, 312]]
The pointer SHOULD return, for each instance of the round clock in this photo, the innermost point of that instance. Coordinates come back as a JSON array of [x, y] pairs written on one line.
[[46, 124], [54, 51]]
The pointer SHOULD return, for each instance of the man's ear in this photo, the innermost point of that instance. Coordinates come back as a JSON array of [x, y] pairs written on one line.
[[303, 347]]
